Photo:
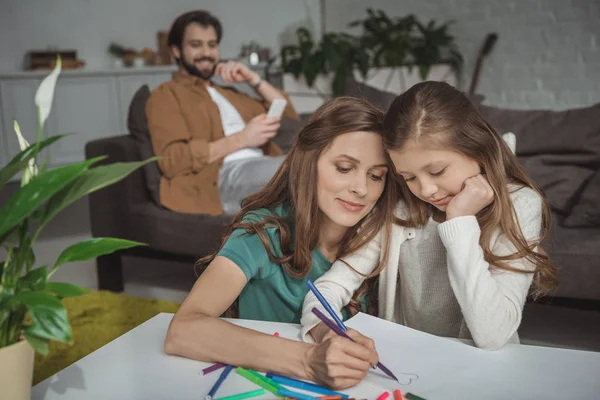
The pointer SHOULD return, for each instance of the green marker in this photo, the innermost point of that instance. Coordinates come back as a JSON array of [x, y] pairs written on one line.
[[411, 396], [243, 396], [266, 379], [255, 379]]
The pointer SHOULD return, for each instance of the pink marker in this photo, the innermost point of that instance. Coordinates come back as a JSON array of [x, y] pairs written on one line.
[[383, 396]]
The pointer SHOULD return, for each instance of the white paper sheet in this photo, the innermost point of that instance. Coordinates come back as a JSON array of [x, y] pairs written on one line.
[[450, 369]]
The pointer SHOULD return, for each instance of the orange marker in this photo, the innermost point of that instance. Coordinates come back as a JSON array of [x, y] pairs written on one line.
[[330, 397], [383, 396], [397, 395]]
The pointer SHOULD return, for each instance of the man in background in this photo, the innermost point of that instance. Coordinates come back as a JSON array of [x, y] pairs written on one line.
[[215, 142]]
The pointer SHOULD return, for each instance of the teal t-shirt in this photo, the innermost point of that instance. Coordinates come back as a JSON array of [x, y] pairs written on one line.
[[270, 294]]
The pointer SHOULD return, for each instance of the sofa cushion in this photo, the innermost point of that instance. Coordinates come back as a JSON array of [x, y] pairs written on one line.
[[377, 97], [561, 184], [586, 212], [571, 137], [559, 149], [287, 132], [382, 98], [137, 124]]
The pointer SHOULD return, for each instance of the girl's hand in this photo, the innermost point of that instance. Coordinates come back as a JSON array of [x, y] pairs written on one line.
[[474, 197], [339, 362]]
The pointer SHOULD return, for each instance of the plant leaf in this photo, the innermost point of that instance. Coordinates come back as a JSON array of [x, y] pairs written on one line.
[[22, 159], [88, 182], [63, 290], [35, 279], [40, 345], [50, 320], [93, 248], [24, 202]]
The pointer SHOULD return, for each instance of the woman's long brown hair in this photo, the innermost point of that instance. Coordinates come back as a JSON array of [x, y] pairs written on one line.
[[444, 116], [294, 185]]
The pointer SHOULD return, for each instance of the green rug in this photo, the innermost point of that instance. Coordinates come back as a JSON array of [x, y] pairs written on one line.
[[97, 318]]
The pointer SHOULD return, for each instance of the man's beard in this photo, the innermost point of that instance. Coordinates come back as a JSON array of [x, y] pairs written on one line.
[[202, 74]]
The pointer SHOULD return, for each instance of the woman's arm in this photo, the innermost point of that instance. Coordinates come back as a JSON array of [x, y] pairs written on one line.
[[197, 332], [491, 300], [338, 286]]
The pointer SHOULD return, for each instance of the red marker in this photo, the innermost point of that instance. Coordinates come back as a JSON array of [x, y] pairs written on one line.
[[383, 396], [397, 395], [276, 334]]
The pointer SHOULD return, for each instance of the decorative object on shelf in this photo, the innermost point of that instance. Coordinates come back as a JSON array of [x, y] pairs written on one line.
[[164, 52], [253, 54], [401, 42], [131, 57], [46, 59], [31, 311]]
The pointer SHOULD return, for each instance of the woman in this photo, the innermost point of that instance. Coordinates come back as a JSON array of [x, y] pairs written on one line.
[[332, 183]]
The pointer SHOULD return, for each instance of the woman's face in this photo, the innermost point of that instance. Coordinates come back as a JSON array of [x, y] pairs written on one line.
[[351, 177]]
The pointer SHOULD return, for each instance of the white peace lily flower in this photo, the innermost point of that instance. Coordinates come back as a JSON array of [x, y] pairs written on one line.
[[45, 92], [31, 169]]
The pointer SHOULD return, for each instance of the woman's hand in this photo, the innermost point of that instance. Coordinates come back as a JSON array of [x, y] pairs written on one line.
[[339, 362], [474, 197]]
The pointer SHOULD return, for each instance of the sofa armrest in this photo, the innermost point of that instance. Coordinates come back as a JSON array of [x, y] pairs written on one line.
[[110, 206]]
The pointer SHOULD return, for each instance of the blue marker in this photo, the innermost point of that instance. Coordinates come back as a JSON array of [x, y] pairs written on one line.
[[217, 384], [325, 304], [295, 395], [308, 386]]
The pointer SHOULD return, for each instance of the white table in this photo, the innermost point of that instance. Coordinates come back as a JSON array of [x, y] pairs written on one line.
[[134, 366]]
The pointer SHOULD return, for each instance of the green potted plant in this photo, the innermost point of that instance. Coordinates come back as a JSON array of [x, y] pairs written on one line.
[[384, 44], [338, 54], [31, 311], [406, 42]]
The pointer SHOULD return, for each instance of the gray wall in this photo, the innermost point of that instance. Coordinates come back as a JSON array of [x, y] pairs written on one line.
[[547, 55], [89, 26]]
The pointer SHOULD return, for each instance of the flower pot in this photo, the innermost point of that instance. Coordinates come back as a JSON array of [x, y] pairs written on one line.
[[16, 371]]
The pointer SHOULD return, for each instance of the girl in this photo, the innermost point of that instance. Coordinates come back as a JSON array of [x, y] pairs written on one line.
[[466, 246], [332, 182]]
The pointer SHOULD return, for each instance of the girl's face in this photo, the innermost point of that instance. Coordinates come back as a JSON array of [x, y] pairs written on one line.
[[433, 175], [351, 177]]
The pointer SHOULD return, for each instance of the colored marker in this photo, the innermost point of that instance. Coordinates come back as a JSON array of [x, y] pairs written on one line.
[[299, 396], [397, 395], [325, 304], [411, 396], [308, 386], [340, 332], [212, 368], [260, 382], [265, 378], [217, 384], [383, 396], [243, 396]]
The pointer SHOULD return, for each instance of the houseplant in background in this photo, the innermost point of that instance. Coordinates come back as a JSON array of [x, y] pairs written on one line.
[[338, 54], [406, 42], [385, 46], [31, 311]]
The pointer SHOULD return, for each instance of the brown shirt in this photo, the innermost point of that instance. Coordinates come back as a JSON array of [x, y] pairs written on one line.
[[183, 120]]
